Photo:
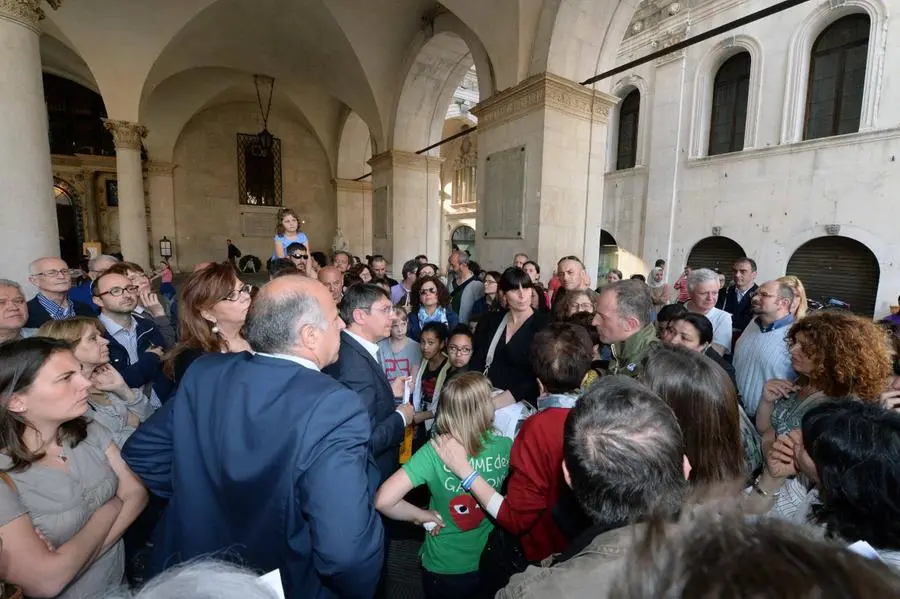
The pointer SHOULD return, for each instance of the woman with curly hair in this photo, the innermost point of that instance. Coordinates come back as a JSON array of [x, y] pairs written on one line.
[[837, 354], [430, 303]]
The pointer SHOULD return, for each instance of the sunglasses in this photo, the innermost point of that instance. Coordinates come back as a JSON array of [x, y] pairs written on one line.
[[299, 256], [428, 291]]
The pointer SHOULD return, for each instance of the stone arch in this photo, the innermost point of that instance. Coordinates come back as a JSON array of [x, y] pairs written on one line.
[[567, 41], [716, 252], [837, 266], [70, 221], [430, 81], [798, 59], [709, 66], [354, 148], [620, 89], [608, 253]]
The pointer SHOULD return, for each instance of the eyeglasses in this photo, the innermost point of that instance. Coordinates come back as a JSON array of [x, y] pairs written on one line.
[[428, 291], [117, 291], [384, 309], [588, 307], [54, 273], [237, 293], [463, 351], [298, 256], [16, 301]]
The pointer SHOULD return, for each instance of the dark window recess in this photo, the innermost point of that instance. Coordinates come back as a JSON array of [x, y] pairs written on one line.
[[626, 148], [728, 120], [259, 173], [837, 73], [74, 118]]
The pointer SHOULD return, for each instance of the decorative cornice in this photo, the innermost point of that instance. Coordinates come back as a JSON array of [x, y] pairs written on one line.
[[25, 12], [667, 40], [126, 135], [544, 90], [351, 185], [406, 160], [160, 168], [87, 161]]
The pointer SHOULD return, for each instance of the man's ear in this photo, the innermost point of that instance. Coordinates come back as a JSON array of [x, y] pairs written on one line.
[[358, 316], [566, 475], [97, 301], [541, 389], [687, 468]]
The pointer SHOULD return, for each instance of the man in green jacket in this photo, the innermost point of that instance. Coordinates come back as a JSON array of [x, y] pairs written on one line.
[[622, 320]]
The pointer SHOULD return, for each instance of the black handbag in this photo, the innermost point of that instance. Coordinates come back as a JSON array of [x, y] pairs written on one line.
[[501, 557]]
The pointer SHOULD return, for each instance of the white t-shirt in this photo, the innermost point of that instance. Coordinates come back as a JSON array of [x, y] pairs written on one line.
[[722, 329]]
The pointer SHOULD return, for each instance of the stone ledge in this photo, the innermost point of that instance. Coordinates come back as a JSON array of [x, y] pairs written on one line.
[[406, 160], [352, 185], [544, 90]]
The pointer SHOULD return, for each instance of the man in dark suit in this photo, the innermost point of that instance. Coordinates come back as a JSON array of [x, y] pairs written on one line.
[[739, 297], [368, 312], [264, 459]]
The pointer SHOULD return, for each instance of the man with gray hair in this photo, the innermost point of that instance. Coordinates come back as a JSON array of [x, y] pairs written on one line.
[[466, 291], [266, 460], [703, 287], [53, 279], [622, 320], [13, 312], [96, 267]]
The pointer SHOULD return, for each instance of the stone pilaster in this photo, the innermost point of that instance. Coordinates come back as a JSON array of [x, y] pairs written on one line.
[[406, 208], [354, 214], [28, 228], [161, 184], [133, 238], [560, 128]]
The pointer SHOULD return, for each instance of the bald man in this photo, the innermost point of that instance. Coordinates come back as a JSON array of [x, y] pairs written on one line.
[[53, 279], [333, 279], [293, 476]]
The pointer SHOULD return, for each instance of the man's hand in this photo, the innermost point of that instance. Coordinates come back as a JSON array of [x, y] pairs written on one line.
[[151, 303], [408, 412], [397, 386], [157, 351]]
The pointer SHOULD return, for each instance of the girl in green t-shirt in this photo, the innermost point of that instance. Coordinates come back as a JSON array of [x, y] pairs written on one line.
[[458, 527]]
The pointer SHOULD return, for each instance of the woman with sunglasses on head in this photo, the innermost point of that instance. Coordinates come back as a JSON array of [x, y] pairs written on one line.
[[67, 496], [430, 303], [212, 308]]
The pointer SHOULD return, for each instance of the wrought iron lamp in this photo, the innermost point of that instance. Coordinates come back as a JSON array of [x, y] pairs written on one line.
[[165, 247]]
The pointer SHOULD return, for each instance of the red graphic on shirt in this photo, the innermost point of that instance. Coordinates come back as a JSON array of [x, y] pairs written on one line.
[[394, 368], [466, 512]]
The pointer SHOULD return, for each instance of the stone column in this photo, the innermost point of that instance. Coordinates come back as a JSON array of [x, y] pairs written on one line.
[[413, 209], [354, 214], [161, 185], [558, 128], [90, 205], [28, 227], [130, 177]]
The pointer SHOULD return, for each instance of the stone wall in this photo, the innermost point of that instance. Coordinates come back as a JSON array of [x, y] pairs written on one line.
[[207, 211]]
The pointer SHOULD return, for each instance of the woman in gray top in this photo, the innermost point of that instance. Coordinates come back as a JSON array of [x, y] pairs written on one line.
[[67, 496], [112, 403]]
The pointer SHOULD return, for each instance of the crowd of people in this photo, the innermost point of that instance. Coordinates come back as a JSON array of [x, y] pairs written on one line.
[[546, 438]]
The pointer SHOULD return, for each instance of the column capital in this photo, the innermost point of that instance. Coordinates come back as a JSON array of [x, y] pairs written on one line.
[[126, 135], [544, 91], [406, 160], [351, 185], [25, 12]]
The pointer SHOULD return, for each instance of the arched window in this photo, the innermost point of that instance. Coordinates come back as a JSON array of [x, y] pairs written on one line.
[[731, 90], [837, 72], [626, 148]]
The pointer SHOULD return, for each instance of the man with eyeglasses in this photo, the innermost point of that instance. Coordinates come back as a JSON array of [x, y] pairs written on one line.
[[136, 345], [13, 312], [53, 278], [299, 255]]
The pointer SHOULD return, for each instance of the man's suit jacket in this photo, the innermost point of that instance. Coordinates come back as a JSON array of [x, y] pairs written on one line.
[[360, 372], [741, 311], [148, 368], [266, 463]]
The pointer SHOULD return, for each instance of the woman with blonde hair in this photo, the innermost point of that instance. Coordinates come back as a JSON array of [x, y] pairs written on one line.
[[798, 306], [112, 403], [212, 307], [458, 528]]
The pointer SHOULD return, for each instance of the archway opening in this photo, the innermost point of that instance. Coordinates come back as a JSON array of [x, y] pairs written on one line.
[[717, 253], [838, 267], [67, 222], [609, 254], [463, 237]]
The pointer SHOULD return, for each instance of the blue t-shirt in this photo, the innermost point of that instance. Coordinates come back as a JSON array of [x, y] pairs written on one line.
[[285, 242]]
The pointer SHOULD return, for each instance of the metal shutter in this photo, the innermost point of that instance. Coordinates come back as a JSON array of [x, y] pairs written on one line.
[[838, 267], [715, 253]]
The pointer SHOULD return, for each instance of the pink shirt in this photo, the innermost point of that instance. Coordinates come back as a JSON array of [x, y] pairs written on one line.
[[166, 275]]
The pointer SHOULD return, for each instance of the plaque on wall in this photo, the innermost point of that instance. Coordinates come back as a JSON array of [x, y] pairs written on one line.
[[504, 194], [380, 213], [257, 224]]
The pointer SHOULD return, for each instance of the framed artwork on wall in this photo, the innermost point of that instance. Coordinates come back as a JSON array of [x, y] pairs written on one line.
[[112, 193]]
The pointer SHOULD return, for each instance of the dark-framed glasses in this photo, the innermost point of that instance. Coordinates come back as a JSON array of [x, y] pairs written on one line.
[[235, 295], [428, 291], [299, 256], [117, 291], [463, 351]]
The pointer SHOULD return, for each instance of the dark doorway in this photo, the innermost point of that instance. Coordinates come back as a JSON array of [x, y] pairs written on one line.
[[716, 253], [67, 221]]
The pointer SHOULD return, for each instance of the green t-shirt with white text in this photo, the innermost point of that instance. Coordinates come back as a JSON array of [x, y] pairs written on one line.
[[457, 548]]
